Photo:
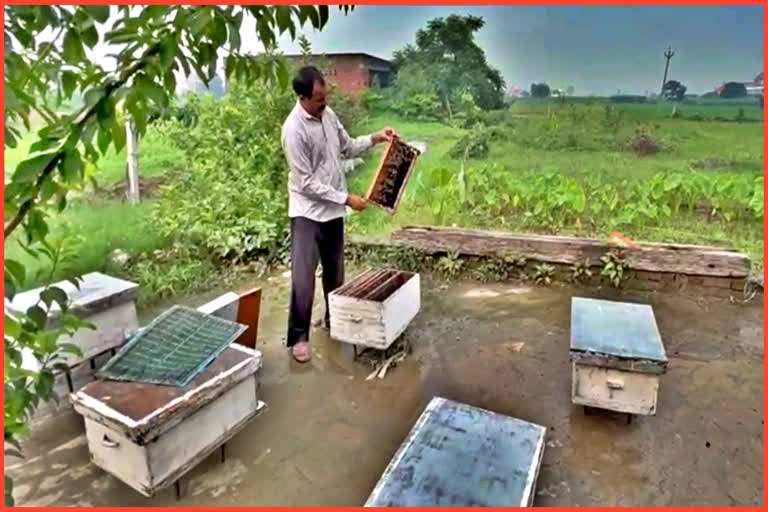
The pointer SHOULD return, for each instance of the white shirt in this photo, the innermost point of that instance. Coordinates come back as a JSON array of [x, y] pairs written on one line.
[[317, 188]]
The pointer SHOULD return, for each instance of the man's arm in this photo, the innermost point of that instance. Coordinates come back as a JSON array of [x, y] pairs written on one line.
[[296, 152]]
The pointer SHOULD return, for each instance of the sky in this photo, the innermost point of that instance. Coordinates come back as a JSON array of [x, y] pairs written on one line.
[[595, 49]]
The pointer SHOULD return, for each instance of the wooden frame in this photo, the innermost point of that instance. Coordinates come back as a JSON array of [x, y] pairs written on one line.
[[380, 175]]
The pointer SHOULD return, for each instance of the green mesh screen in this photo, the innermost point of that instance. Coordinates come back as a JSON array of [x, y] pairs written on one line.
[[174, 348]]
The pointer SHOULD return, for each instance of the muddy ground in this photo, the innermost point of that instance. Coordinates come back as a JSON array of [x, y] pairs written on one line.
[[329, 434]]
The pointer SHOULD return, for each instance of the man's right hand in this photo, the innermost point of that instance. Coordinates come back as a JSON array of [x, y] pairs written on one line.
[[357, 203]]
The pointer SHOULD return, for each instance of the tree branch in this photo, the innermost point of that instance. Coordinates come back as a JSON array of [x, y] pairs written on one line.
[[82, 119]]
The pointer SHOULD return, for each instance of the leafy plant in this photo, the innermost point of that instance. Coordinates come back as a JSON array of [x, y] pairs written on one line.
[[581, 271], [228, 199], [614, 265], [450, 265], [543, 274]]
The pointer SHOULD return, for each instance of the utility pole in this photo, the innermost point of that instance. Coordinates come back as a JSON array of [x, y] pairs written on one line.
[[668, 53], [132, 148]]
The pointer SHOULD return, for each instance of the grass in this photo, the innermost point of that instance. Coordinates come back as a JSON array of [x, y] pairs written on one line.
[[156, 155], [105, 225]]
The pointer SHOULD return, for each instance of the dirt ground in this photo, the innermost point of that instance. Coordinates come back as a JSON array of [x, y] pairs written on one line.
[[329, 433]]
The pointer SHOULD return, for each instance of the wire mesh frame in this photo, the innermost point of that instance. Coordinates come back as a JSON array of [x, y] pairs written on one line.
[[164, 356]]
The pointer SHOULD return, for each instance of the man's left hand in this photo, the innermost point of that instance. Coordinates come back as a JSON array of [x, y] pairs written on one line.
[[385, 135]]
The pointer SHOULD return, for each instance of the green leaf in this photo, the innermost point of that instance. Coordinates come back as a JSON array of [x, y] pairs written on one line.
[[17, 271], [44, 384], [53, 294], [283, 74], [90, 36], [323, 15], [11, 327], [99, 13], [104, 139], [234, 31], [73, 47], [71, 166], [265, 33], [29, 170], [38, 316], [156, 92], [70, 348], [68, 83], [9, 287], [168, 50], [118, 135], [48, 188], [199, 20]]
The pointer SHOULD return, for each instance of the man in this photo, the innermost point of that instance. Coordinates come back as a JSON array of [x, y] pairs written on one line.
[[314, 142]]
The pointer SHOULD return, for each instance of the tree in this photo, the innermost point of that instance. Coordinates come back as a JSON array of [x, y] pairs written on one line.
[[733, 90], [150, 46], [446, 53], [674, 90], [570, 90], [541, 90]]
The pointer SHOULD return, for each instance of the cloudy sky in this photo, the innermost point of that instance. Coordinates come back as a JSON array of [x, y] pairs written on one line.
[[595, 49]]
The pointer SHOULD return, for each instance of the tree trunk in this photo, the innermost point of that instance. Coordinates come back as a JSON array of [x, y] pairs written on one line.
[[132, 149]]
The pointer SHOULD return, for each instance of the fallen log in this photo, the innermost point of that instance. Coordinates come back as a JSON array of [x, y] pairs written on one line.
[[650, 257]]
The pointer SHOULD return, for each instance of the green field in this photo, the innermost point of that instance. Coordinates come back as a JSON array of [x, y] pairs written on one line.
[[724, 158], [550, 168]]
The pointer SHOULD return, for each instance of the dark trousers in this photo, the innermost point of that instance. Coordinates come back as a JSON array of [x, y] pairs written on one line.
[[310, 239]]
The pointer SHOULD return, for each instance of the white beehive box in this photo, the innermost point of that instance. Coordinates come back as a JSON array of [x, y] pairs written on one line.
[[150, 435], [375, 308], [105, 301], [617, 356]]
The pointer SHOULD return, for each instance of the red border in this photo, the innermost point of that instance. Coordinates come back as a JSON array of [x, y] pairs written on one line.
[[453, 2]]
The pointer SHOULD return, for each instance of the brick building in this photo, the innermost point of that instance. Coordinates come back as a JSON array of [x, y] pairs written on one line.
[[352, 72]]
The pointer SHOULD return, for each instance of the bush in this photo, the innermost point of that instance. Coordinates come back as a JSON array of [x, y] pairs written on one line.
[[350, 110], [475, 144], [228, 199]]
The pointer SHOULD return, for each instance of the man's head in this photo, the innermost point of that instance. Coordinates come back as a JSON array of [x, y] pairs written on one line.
[[309, 86]]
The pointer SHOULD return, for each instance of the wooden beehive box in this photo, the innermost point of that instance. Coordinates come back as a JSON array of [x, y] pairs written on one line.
[[375, 308], [107, 302], [463, 456], [150, 435], [388, 185], [617, 356]]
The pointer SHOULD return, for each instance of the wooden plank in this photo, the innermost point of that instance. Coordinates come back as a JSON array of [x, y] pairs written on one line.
[[248, 311], [651, 257]]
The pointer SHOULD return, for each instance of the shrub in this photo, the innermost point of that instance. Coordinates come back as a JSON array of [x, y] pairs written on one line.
[[228, 199]]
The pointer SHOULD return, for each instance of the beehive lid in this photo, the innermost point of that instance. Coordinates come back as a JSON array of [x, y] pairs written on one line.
[[459, 455], [615, 329], [142, 411], [97, 292], [173, 348]]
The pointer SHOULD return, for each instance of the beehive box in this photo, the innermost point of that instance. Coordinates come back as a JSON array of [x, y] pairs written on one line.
[[463, 456], [617, 356], [243, 308], [375, 308], [150, 435], [389, 182], [105, 301]]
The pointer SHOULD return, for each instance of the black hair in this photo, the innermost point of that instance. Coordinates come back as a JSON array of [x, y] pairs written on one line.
[[305, 79]]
